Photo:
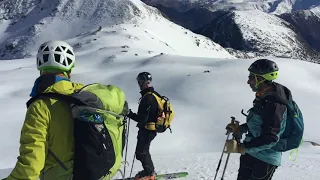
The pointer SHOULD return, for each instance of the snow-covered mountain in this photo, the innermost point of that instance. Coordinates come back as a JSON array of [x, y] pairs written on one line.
[[316, 10], [192, 19], [307, 24], [27, 23], [205, 84], [208, 18], [205, 92], [257, 34], [269, 6]]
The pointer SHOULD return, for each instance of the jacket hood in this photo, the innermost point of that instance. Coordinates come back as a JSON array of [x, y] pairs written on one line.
[[54, 83], [281, 94]]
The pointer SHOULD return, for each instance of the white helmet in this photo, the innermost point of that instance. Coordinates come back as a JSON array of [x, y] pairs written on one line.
[[55, 55]]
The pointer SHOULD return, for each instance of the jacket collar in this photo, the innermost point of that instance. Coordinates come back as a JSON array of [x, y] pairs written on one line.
[[45, 81], [145, 91]]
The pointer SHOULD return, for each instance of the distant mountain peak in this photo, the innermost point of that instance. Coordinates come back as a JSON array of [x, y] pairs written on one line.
[[25, 24]]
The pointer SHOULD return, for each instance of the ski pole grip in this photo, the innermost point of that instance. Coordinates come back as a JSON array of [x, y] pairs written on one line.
[[233, 119], [232, 122]]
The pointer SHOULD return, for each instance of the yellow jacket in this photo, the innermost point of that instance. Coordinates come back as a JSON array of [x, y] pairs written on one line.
[[48, 125]]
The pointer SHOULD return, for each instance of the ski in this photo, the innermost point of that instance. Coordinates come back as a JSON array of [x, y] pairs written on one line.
[[172, 175], [164, 176]]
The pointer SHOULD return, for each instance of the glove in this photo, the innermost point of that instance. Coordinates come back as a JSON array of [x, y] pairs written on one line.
[[232, 146], [130, 114], [243, 128], [125, 110], [233, 127], [237, 130]]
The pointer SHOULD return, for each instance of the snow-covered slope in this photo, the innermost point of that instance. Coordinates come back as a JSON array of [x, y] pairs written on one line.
[[25, 24], [191, 19], [307, 24], [204, 86], [316, 10], [205, 93], [271, 33], [269, 6], [258, 34]]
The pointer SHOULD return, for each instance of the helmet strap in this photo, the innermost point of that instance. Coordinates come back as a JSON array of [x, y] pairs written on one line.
[[141, 84], [66, 74], [258, 82]]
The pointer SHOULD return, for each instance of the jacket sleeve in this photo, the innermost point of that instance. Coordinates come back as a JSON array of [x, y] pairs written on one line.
[[147, 108], [272, 122], [33, 144]]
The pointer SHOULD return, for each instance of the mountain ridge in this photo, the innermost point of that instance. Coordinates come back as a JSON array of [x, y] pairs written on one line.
[[28, 23], [308, 48], [269, 6]]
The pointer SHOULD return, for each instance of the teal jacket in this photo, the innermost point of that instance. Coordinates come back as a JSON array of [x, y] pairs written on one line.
[[266, 121]]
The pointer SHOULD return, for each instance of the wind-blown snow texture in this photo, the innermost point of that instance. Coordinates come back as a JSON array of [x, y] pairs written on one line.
[[205, 93], [26, 24]]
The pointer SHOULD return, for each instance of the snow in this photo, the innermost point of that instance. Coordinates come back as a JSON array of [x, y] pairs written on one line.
[[67, 19], [269, 6], [203, 101], [316, 10], [268, 33]]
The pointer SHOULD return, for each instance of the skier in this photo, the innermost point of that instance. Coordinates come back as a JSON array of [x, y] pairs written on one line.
[[265, 123], [48, 123], [147, 112]]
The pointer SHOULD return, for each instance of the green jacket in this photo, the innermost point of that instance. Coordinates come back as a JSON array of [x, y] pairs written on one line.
[[48, 124]]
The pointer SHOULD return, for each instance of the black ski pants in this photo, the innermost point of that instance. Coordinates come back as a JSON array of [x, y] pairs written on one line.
[[254, 169], [143, 150]]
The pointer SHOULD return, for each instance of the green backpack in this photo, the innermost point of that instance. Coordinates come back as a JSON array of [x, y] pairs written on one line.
[[99, 130]]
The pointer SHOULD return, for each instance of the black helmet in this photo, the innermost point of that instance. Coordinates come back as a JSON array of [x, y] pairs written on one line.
[[144, 76], [263, 66]]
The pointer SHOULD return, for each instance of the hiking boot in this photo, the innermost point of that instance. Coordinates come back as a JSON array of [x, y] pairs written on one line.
[[142, 175], [139, 174], [150, 177]]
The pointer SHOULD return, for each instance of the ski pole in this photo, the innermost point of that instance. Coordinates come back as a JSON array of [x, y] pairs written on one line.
[[132, 163], [221, 157], [228, 133], [127, 142], [225, 166], [134, 157], [234, 138]]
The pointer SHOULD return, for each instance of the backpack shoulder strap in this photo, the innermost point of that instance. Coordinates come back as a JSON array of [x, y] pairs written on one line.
[[151, 93], [63, 97], [156, 93], [67, 98]]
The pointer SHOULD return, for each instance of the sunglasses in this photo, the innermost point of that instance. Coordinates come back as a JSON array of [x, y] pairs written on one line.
[[252, 77]]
